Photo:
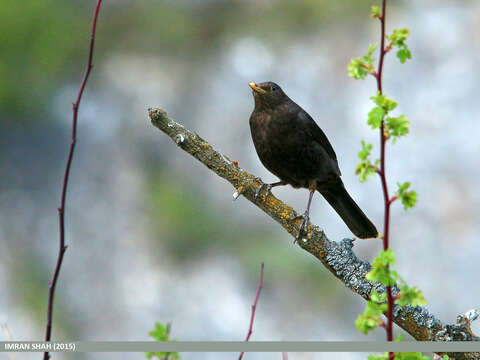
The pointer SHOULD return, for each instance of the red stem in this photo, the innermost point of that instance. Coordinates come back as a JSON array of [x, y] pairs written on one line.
[[382, 173], [61, 208], [254, 307]]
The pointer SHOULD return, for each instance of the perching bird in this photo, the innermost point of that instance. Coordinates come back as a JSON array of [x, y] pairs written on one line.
[[293, 147]]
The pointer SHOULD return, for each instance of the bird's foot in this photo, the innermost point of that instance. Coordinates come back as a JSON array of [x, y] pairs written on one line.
[[303, 231], [268, 188]]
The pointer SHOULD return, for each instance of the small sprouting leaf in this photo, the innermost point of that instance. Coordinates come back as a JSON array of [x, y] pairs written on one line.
[[410, 296], [397, 126], [371, 48], [364, 170], [378, 297], [359, 68], [410, 356], [380, 268], [399, 36], [407, 197], [375, 13], [365, 152], [382, 101], [378, 357], [397, 39], [375, 117], [160, 333], [374, 309], [404, 54]]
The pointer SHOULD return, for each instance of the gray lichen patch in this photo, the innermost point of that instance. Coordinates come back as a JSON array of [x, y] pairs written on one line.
[[348, 267]]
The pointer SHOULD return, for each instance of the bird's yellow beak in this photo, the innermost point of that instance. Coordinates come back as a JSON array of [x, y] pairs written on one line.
[[256, 88]]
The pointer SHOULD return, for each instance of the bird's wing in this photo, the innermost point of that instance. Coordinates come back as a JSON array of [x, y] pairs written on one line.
[[316, 133]]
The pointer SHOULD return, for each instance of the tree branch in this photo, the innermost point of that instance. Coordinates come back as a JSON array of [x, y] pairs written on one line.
[[254, 307], [337, 257], [61, 208]]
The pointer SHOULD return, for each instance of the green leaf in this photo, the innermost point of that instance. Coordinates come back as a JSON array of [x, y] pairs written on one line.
[[375, 117], [365, 169], [378, 298], [371, 48], [359, 68], [375, 13], [380, 268], [407, 197], [378, 357], [160, 333], [365, 152], [399, 36], [410, 296], [397, 126], [371, 317], [397, 39], [410, 356], [382, 101], [404, 54]]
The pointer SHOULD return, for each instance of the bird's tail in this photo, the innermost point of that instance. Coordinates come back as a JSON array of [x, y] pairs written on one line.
[[338, 197]]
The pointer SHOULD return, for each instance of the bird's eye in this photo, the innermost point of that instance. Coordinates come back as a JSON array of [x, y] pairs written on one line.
[[274, 88]]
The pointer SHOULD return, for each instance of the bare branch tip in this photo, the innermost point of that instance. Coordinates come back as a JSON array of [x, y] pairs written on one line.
[[157, 114]]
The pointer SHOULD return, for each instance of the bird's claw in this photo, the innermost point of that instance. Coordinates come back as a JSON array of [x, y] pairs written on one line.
[[259, 190], [303, 230]]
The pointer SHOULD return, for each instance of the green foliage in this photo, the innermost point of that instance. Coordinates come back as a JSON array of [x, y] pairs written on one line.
[[407, 197], [399, 36], [371, 317], [410, 296], [161, 333], [394, 126], [375, 117], [378, 357], [366, 150], [382, 101], [360, 67], [380, 269], [375, 12], [365, 168], [397, 39], [397, 126], [400, 356]]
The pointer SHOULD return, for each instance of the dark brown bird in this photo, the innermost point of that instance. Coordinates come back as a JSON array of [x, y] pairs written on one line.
[[292, 146]]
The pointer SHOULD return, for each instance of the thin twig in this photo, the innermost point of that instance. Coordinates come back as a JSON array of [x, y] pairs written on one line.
[[382, 174], [254, 307], [61, 208]]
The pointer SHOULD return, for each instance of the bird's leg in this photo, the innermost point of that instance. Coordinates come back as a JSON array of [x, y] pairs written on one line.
[[303, 231], [269, 187]]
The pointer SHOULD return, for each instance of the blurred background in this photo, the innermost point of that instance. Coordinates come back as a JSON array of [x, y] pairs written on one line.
[[153, 235]]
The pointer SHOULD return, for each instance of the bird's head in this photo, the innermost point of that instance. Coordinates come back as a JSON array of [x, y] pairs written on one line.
[[267, 94]]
